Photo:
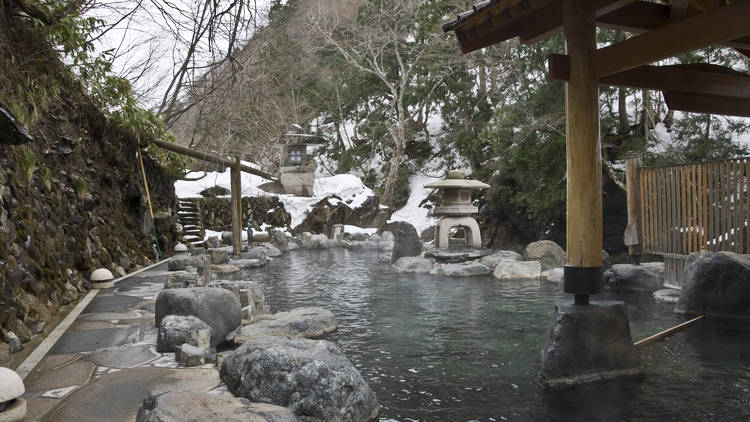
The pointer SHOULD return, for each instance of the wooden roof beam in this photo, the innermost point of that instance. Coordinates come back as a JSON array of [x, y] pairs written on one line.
[[701, 79], [723, 24], [697, 103], [547, 21]]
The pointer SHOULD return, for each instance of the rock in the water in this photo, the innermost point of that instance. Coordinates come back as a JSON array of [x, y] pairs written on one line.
[[307, 322], [717, 284], [183, 279], [549, 253], [218, 308], [412, 264], [180, 262], [359, 236], [196, 406], [219, 256], [515, 270], [176, 330], [312, 378], [648, 276], [247, 263], [224, 269], [554, 275], [278, 239], [588, 343], [666, 295], [388, 236], [497, 256], [464, 269], [189, 355], [250, 294], [273, 251], [213, 242], [406, 243], [453, 255], [260, 253]]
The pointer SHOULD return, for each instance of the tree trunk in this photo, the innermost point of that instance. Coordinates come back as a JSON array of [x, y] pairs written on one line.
[[669, 119], [390, 180], [622, 105]]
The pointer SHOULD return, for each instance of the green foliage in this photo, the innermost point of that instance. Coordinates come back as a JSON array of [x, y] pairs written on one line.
[[27, 163], [81, 187], [46, 175]]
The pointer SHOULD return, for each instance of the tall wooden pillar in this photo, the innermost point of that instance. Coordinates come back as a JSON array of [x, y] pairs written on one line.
[[582, 275], [236, 205], [632, 236]]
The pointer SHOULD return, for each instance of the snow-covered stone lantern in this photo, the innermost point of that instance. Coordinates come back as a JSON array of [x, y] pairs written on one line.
[[12, 406], [456, 209], [102, 278]]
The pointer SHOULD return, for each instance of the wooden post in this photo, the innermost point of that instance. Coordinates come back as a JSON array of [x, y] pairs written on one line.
[[582, 276], [632, 235], [236, 185]]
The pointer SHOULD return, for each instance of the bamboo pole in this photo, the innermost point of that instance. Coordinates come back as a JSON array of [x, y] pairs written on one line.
[[668, 331], [236, 205]]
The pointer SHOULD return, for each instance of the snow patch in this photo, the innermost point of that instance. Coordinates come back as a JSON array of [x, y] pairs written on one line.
[[412, 213]]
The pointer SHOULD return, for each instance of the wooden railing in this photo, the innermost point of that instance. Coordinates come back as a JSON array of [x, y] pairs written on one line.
[[687, 208]]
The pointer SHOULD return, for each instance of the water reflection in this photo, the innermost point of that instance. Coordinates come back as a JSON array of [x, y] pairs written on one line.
[[437, 348]]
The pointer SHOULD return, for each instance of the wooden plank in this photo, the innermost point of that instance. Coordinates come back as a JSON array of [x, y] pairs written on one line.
[[723, 24], [658, 196], [706, 205], [746, 217], [699, 202], [675, 200], [583, 157], [739, 221], [683, 222], [633, 230], [717, 206], [663, 200], [696, 215], [709, 206], [236, 185], [723, 214], [643, 194]]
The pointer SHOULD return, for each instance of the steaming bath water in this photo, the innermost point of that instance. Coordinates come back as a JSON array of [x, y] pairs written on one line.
[[438, 348]]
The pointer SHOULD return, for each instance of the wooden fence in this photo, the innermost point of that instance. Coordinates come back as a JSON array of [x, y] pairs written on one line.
[[691, 207]]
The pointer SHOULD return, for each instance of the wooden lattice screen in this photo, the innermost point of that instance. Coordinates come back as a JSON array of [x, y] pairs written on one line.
[[693, 207]]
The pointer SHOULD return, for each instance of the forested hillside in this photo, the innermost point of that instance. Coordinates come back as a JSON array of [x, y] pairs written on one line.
[[394, 95]]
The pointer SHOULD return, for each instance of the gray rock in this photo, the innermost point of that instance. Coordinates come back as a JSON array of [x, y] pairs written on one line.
[[412, 264], [273, 251], [588, 343], [716, 284], [306, 322], [224, 269], [226, 238], [218, 308], [183, 279], [261, 237], [376, 238], [4, 354], [176, 330], [666, 295], [197, 406], [454, 255], [213, 242], [515, 270], [247, 263], [365, 244], [314, 241], [260, 253], [359, 236], [463, 269], [406, 243], [648, 276], [14, 343], [189, 355], [492, 260], [250, 294], [312, 378], [554, 275], [278, 239], [388, 236], [180, 262], [549, 253], [218, 256]]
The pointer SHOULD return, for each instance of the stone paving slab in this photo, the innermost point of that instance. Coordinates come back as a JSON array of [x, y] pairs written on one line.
[[123, 357], [116, 397], [113, 303], [59, 371], [89, 340]]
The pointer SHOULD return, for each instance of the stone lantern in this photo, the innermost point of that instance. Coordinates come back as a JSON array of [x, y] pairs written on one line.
[[102, 278], [456, 209], [297, 168], [12, 406]]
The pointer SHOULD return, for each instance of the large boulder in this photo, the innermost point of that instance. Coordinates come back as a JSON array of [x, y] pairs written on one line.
[[278, 239], [176, 330], [547, 252], [197, 406], [312, 378], [412, 264], [181, 262], [492, 260], [218, 308], [406, 242], [247, 263], [716, 284], [463, 269], [454, 255], [307, 322], [250, 294], [183, 279], [518, 270], [646, 277], [258, 253]]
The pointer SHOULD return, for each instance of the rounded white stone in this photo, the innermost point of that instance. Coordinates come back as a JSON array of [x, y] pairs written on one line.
[[11, 385], [180, 248], [101, 275]]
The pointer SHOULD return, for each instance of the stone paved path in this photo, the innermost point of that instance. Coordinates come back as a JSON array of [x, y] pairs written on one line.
[[106, 362]]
